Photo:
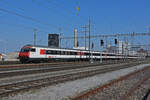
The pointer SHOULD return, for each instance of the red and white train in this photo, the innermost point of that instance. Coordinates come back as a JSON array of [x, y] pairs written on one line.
[[31, 53]]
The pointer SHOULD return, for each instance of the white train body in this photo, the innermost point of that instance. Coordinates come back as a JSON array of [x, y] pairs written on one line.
[[43, 53]]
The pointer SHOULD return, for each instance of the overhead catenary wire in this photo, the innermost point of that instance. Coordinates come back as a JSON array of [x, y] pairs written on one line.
[[27, 17], [65, 9], [23, 26], [47, 7], [33, 19], [6, 3], [58, 6], [110, 35], [27, 27]]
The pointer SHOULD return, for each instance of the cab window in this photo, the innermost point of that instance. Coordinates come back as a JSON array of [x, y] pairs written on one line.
[[25, 50], [32, 50]]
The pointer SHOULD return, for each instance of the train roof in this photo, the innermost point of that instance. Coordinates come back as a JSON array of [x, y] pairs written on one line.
[[61, 48], [42, 46], [54, 47]]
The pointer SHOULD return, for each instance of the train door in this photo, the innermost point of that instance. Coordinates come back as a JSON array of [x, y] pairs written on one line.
[[33, 52]]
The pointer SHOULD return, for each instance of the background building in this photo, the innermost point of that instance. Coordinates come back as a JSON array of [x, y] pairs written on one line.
[[124, 47], [53, 40], [111, 49]]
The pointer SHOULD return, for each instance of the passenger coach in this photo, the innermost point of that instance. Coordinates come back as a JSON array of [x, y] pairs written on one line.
[[30, 53]]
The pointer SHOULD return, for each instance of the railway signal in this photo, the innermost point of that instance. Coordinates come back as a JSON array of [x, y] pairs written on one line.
[[116, 42], [92, 45], [102, 42], [77, 43]]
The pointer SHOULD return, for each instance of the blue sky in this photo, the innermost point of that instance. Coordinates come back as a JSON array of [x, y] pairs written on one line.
[[107, 16]]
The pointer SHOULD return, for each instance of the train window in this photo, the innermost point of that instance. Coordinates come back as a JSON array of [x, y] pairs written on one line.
[[76, 53], [58, 52], [22, 50], [32, 50], [62, 52], [87, 54], [54, 52], [51, 52], [71, 53], [96, 54], [48, 52], [68, 53], [65, 52], [25, 50], [110, 55]]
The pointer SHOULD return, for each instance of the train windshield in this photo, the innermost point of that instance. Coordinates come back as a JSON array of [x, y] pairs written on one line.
[[28, 50], [25, 50]]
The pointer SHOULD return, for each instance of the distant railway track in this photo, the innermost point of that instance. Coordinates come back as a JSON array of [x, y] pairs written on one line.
[[44, 79]]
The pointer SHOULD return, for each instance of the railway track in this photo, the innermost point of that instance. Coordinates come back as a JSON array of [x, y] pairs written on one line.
[[16, 65], [128, 87], [41, 69], [18, 71], [21, 83], [10, 63], [135, 87], [33, 65]]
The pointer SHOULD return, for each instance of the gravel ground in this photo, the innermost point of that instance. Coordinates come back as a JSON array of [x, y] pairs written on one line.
[[70, 89], [118, 90], [141, 92]]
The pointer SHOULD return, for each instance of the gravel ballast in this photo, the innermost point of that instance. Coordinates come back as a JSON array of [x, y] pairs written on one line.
[[73, 88], [119, 90]]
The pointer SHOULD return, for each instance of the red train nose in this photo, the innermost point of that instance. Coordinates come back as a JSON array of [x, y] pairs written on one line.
[[24, 54]]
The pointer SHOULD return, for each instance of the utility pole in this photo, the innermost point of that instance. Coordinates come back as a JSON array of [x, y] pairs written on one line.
[[149, 31], [149, 42], [102, 45], [85, 37], [89, 27], [59, 30], [85, 31], [35, 30], [132, 41]]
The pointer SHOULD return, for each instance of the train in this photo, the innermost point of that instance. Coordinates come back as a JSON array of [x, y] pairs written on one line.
[[35, 53]]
